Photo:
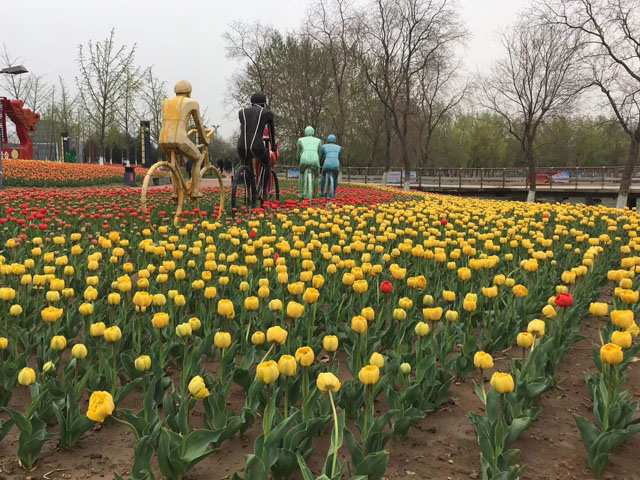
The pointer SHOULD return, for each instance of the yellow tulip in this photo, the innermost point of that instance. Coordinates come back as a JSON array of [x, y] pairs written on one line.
[[360, 286], [142, 363], [275, 305], [58, 343], [599, 309], [97, 329], [622, 318], [79, 351], [222, 339], [359, 324], [311, 295], [305, 356], [549, 312], [258, 338], [26, 377], [369, 375], [611, 354], [51, 314], [294, 309], [197, 388], [502, 383], [112, 334], [483, 360], [160, 320], [251, 303], [184, 330], [225, 308], [100, 406], [422, 329], [328, 382], [368, 313], [287, 366], [524, 340], [536, 328], [377, 360], [268, 372], [330, 343], [277, 335], [622, 339]]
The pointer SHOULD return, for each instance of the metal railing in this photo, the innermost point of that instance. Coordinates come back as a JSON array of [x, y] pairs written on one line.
[[515, 178]]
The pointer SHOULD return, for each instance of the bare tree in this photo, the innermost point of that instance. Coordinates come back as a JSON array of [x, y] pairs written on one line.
[[153, 92], [332, 25], [536, 79], [400, 41], [612, 57], [65, 107], [102, 82], [439, 93], [128, 110], [16, 86], [251, 42]]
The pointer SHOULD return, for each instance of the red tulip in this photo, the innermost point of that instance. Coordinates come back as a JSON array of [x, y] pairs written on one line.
[[564, 300], [444, 221], [386, 287]]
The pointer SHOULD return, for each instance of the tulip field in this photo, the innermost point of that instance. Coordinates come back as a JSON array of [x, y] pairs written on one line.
[[41, 173], [386, 335]]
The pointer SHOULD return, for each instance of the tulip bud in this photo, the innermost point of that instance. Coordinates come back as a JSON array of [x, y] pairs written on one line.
[[142, 363], [48, 368], [58, 343], [287, 366], [222, 339], [502, 383], [377, 360], [26, 376], [258, 338], [267, 372], [330, 343], [405, 368], [184, 330], [483, 360], [79, 351]]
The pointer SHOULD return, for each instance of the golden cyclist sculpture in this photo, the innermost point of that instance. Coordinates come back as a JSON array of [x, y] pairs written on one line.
[[177, 113]]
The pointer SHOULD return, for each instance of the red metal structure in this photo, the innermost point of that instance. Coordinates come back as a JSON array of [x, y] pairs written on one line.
[[25, 121], [275, 155]]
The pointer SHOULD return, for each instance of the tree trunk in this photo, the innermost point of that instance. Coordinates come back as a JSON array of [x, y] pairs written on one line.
[[531, 161], [387, 152], [625, 183], [407, 164]]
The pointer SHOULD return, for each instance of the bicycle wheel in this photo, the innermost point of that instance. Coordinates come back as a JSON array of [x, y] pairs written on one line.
[[221, 185], [176, 179], [243, 189]]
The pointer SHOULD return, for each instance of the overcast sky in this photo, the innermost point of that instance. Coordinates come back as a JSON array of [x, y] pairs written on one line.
[[183, 39]]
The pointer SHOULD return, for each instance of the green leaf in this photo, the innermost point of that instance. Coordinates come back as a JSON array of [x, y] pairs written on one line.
[[373, 465], [195, 445], [255, 469], [169, 455], [588, 431]]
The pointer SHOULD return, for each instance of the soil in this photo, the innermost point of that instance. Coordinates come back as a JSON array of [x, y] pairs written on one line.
[[442, 446]]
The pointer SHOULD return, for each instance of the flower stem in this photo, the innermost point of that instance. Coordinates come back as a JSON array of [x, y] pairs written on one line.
[[335, 441]]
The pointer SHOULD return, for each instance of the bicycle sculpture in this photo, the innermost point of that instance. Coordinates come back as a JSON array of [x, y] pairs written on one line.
[[244, 189], [258, 156], [308, 154], [175, 142]]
